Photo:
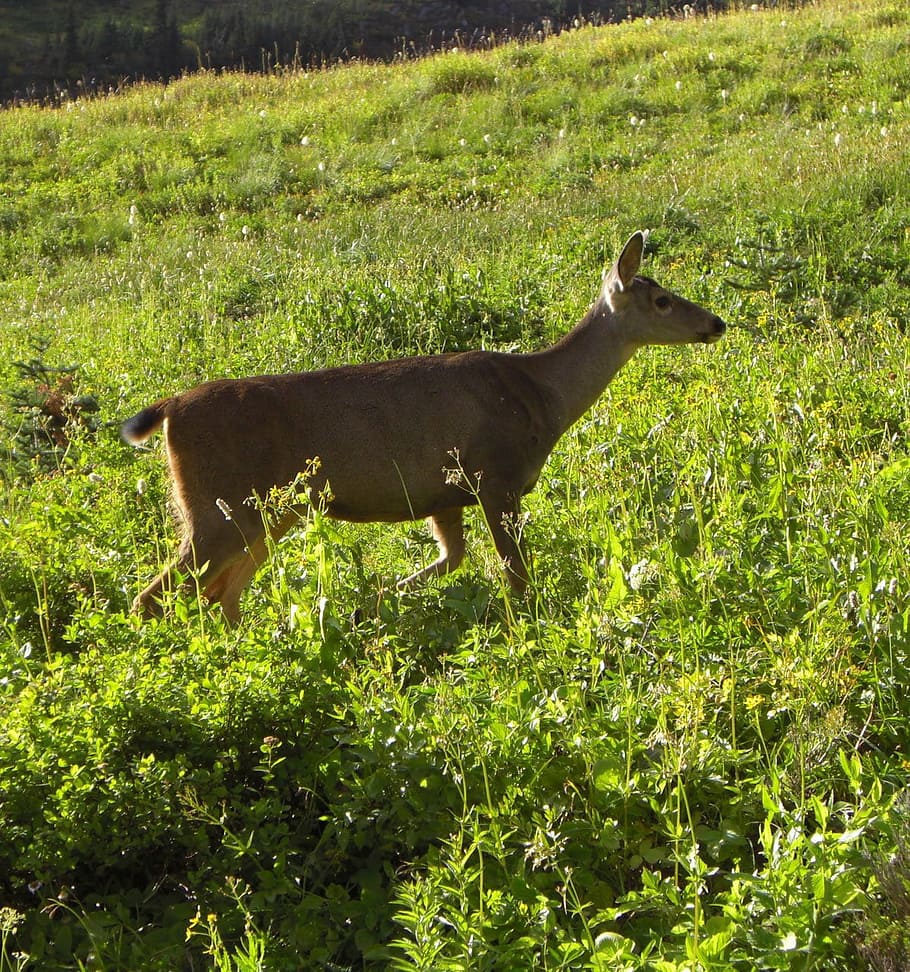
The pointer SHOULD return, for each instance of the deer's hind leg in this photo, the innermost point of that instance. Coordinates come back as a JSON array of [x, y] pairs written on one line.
[[230, 583], [448, 531], [213, 547]]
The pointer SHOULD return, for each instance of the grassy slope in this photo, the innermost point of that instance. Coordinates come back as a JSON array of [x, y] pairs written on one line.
[[686, 748]]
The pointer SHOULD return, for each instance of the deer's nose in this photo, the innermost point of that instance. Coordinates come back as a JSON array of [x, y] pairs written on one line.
[[714, 331]]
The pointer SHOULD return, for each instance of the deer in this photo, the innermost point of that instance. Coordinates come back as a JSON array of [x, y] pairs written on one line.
[[381, 439]]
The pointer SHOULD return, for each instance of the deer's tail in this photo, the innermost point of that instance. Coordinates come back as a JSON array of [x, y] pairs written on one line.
[[138, 428]]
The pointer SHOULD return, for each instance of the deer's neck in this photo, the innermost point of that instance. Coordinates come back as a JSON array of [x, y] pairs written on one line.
[[580, 365]]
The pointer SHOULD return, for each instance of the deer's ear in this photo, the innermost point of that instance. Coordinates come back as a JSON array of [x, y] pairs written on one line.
[[630, 259], [623, 272]]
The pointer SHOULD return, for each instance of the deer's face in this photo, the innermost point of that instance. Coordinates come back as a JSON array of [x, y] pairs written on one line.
[[647, 313], [667, 318]]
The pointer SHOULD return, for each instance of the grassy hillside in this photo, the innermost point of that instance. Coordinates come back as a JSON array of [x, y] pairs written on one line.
[[688, 748], [48, 46]]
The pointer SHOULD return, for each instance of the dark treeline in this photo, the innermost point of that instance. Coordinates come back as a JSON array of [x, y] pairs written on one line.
[[51, 47]]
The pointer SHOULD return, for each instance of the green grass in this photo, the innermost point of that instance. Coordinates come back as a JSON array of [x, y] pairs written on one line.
[[689, 748]]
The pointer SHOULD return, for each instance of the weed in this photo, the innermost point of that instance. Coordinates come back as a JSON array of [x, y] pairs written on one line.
[[46, 414]]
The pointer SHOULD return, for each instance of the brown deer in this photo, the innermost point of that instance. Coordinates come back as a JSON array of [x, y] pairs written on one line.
[[388, 434]]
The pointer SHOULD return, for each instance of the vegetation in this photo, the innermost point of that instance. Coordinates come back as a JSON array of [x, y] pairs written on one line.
[[49, 47], [688, 749]]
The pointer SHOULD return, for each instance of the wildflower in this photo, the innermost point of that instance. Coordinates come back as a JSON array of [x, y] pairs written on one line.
[[488, 138], [884, 131], [638, 574], [262, 113], [837, 140], [679, 85], [133, 214], [321, 166], [462, 142], [140, 487], [245, 230], [305, 141]]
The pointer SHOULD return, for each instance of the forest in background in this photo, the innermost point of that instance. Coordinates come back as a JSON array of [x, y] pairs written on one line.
[[54, 47]]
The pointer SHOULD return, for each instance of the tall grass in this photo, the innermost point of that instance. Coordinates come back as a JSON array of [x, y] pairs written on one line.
[[687, 748]]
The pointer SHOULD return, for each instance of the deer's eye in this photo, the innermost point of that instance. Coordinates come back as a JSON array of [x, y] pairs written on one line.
[[662, 302]]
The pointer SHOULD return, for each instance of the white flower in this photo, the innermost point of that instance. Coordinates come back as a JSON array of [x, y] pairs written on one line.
[[638, 574], [837, 140], [305, 141]]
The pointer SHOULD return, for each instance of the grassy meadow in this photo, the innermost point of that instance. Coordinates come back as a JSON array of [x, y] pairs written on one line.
[[688, 748]]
